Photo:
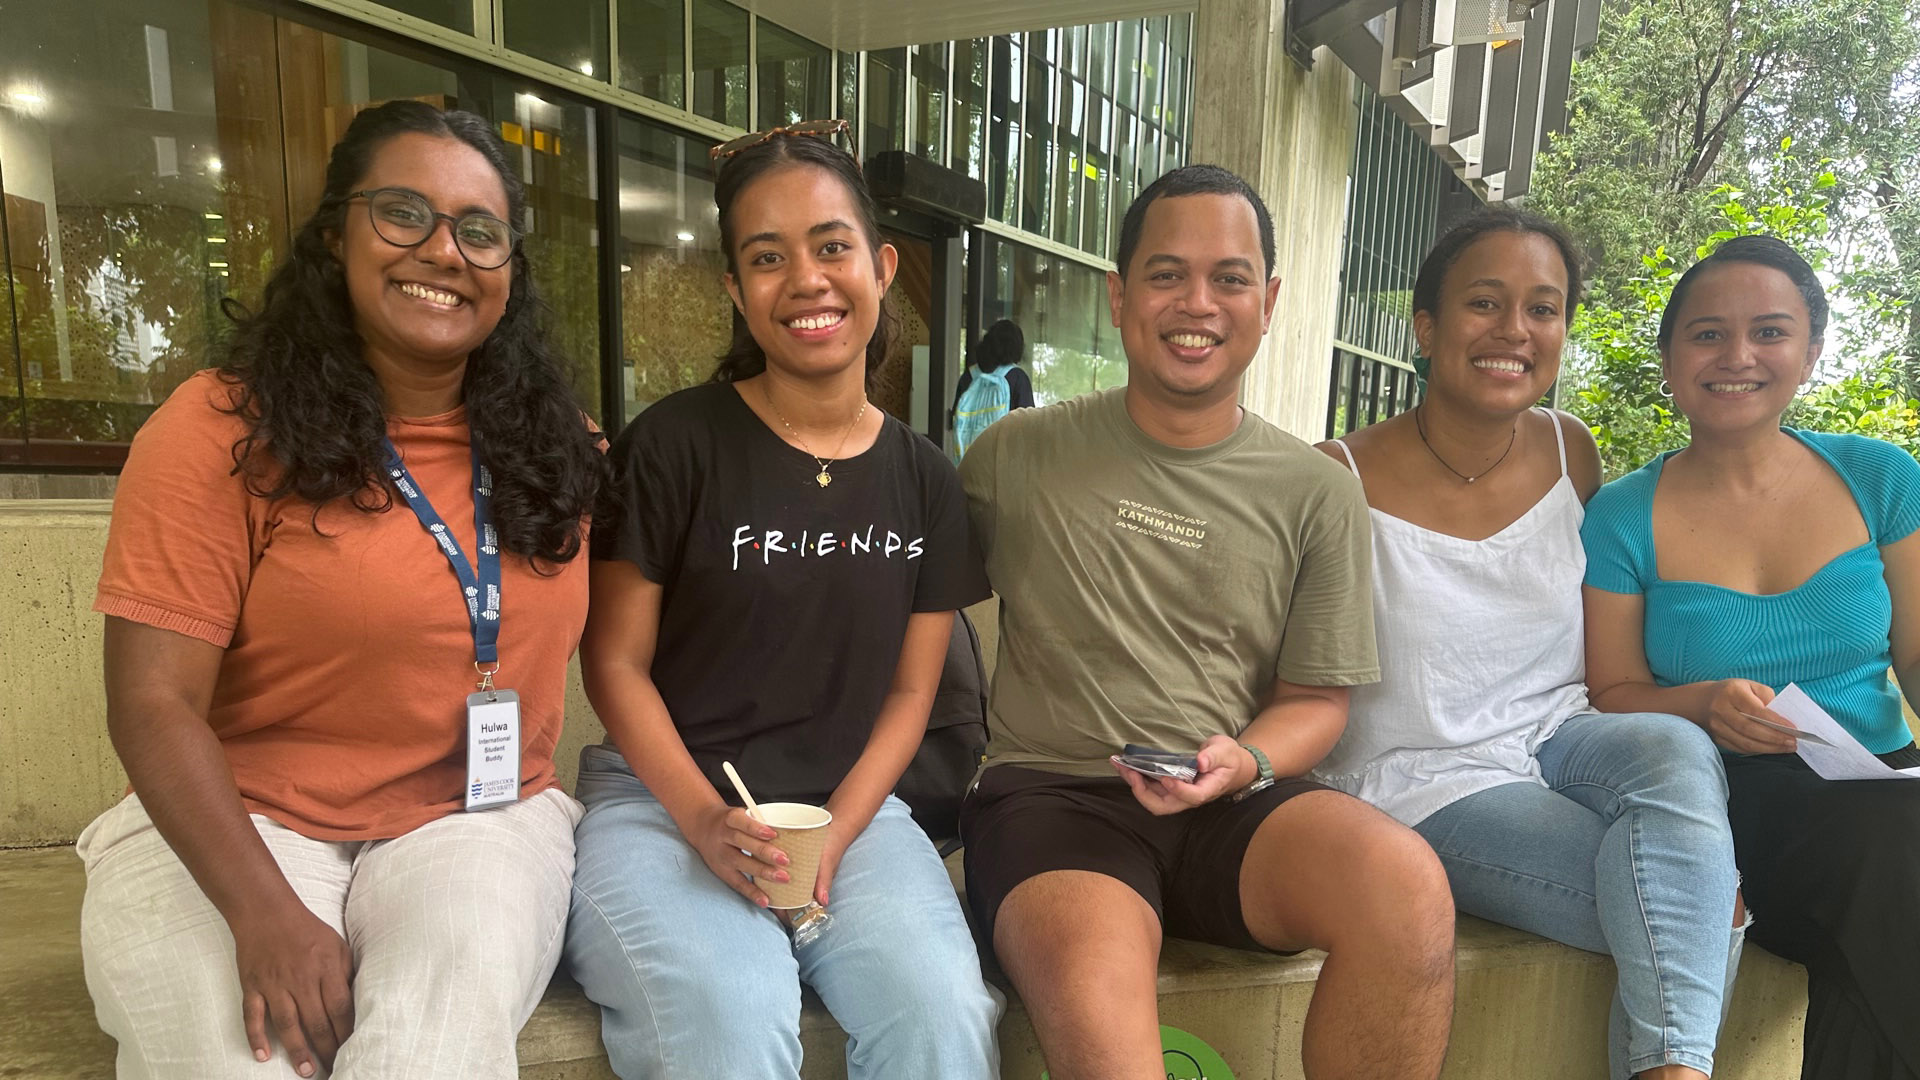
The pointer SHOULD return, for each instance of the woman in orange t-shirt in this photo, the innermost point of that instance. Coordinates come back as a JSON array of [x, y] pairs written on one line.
[[317, 549]]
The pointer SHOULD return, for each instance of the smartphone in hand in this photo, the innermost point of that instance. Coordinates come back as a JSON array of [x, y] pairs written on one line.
[[1162, 763]]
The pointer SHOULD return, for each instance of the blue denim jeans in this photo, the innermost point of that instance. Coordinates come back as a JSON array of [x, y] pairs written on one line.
[[694, 982], [1625, 852]]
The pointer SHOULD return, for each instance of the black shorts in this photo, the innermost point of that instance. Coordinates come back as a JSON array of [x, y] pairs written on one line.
[[1020, 823]]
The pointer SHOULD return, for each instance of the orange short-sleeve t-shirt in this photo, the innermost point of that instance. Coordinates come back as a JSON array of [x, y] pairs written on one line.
[[341, 699]]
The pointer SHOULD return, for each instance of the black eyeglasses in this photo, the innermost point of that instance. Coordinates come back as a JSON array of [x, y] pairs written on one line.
[[404, 219], [819, 129]]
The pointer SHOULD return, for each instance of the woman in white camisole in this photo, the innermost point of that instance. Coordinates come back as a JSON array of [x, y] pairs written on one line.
[[1606, 832]]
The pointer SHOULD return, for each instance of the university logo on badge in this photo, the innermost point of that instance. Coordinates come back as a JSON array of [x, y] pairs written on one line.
[[476, 790]]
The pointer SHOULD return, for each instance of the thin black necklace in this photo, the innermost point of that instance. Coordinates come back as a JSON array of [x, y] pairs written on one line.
[[1419, 424]]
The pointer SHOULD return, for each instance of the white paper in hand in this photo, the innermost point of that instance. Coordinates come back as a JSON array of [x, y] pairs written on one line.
[[1845, 759]]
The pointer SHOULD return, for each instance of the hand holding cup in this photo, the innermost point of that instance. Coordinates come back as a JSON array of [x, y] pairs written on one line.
[[740, 851], [801, 833]]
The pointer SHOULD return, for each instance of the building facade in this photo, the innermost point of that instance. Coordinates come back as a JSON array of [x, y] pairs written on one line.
[[156, 157]]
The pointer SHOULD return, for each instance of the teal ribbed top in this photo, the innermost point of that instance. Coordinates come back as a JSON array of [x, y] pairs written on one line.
[[1829, 634]]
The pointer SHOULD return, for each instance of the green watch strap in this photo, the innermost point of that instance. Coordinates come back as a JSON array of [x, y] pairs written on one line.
[[1263, 780], [1260, 760]]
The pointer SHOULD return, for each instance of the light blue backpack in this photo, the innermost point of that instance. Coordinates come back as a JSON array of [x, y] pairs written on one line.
[[986, 400]]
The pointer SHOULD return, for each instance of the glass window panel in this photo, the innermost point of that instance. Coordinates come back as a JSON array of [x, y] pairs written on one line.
[[653, 49], [1093, 225], [1099, 175], [1126, 172], [720, 53], [325, 80], [452, 14], [142, 184], [1060, 307], [930, 101], [1037, 168], [886, 101], [1179, 69], [1069, 164], [151, 178], [1152, 67], [1149, 155], [795, 78], [1127, 67], [571, 33], [1176, 114], [970, 106], [1076, 50], [552, 141], [1100, 57], [849, 81], [1004, 129], [676, 318], [1045, 44]]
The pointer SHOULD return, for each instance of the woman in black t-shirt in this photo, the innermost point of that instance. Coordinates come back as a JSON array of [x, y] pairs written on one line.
[[776, 591]]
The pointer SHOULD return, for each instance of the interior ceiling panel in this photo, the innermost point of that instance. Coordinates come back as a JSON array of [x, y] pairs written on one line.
[[885, 24]]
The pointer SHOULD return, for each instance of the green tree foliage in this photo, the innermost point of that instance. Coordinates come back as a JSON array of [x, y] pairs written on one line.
[[1682, 98], [1695, 120], [1613, 359]]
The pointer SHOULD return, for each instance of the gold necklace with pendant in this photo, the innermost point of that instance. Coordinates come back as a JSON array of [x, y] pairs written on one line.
[[821, 477]]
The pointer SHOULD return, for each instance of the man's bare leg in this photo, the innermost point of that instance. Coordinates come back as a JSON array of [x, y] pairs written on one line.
[[1329, 871], [1083, 950]]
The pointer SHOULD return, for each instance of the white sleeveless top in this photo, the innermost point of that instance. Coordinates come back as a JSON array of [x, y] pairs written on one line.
[[1482, 655]]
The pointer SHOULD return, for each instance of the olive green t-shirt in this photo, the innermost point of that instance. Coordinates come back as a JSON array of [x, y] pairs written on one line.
[[1151, 594]]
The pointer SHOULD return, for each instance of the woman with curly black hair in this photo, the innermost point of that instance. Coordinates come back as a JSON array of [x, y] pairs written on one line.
[[331, 557]]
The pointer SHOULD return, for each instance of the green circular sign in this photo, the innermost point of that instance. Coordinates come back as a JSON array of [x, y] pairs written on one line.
[[1187, 1058]]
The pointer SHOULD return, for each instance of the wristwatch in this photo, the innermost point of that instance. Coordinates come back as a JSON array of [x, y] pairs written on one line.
[[1261, 782]]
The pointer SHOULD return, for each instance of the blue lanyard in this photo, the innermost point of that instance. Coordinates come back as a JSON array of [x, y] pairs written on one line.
[[480, 585]]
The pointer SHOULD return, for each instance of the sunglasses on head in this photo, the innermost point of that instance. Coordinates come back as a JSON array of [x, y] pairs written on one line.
[[819, 129]]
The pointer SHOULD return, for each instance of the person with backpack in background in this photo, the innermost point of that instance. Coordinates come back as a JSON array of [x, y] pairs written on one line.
[[992, 385]]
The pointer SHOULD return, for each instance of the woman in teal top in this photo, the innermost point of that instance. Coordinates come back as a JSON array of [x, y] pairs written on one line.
[[1759, 556]]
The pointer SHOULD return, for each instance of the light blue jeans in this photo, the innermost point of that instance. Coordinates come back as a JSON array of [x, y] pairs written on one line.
[[693, 982], [1626, 852]]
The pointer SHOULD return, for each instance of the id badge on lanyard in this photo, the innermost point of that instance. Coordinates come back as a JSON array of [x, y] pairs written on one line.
[[493, 714]]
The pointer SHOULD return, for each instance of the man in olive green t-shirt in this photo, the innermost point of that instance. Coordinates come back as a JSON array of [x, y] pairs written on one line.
[[1177, 573]]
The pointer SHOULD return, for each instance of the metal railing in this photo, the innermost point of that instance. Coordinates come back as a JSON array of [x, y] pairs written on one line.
[[1367, 388]]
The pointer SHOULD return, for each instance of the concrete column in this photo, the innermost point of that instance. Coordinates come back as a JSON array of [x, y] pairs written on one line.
[[1289, 132]]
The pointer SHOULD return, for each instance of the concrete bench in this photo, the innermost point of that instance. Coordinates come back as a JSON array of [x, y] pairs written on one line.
[[1526, 1007]]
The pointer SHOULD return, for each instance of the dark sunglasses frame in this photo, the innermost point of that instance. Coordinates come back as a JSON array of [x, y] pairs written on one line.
[[514, 235]]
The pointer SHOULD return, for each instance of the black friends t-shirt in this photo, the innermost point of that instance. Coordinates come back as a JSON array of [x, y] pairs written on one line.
[[785, 602]]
